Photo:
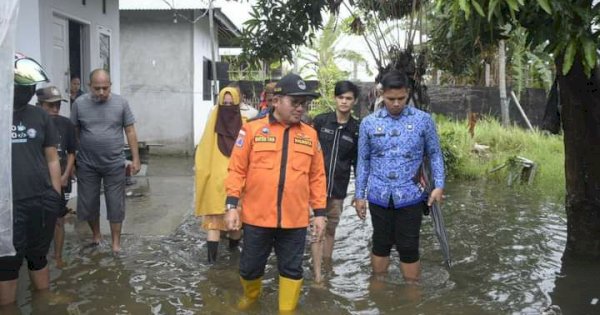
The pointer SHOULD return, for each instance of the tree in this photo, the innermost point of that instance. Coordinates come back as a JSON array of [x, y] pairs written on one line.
[[277, 27], [570, 30], [530, 66], [320, 61]]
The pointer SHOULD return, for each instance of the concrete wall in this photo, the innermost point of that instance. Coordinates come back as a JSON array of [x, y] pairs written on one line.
[[457, 101], [157, 78]]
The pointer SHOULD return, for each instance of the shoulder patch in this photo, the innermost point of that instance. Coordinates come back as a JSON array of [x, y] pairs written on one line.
[[239, 142]]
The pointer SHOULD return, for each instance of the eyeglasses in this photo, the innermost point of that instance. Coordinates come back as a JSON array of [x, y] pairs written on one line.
[[299, 102], [29, 72]]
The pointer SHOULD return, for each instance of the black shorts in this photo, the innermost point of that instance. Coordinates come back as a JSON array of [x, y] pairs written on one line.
[[33, 229], [399, 227]]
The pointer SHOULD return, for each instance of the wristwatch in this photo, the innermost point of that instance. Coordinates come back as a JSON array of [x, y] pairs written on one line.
[[229, 207]]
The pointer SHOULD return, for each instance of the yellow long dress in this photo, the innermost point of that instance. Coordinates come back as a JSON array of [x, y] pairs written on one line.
[[210, 172]]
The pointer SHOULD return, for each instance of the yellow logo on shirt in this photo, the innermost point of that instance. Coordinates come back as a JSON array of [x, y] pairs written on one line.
[[303, 141]]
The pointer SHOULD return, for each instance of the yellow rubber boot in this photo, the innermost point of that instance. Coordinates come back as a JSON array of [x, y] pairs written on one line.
[[252, 289], [289, 293]]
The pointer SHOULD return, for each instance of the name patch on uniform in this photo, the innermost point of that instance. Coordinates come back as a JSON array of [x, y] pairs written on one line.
[[303, 141], [270, 139], [239, 142], [327, 130]]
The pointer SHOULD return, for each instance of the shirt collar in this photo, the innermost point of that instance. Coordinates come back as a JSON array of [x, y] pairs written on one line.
[[332, 118], [273, 120]]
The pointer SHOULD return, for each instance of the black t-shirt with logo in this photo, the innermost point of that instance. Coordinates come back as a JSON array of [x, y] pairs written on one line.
[[66, 136], [32, 131]]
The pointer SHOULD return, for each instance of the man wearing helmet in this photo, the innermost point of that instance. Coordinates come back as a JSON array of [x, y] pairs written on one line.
[[35, 181]]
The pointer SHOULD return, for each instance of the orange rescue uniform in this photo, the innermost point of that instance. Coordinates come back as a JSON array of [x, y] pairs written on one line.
[[280, 172]]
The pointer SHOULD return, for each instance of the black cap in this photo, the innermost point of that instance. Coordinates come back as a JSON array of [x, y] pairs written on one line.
[[293, 85]]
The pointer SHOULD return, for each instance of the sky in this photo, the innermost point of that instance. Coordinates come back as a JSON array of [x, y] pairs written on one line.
[[237, 11]]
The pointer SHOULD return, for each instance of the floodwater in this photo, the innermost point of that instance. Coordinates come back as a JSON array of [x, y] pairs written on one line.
[[506, 247]]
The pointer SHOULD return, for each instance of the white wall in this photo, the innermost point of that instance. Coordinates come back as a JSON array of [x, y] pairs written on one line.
[[157, 70], [28, 29], [202, 49], [162, 75]]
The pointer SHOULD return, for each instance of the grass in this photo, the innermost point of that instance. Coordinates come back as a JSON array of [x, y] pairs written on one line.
[[463, 162]]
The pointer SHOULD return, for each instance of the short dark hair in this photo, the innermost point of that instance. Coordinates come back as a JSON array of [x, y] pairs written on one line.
[[342, 87], [395, 80]]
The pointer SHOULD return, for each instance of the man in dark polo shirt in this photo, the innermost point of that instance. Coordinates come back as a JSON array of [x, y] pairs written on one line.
[[50, 99], [100, 117]]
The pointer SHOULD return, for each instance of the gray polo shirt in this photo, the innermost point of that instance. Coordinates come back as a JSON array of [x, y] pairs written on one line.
[[101, 139]]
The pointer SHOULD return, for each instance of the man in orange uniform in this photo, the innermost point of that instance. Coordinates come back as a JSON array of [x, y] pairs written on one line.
[[277, 165]]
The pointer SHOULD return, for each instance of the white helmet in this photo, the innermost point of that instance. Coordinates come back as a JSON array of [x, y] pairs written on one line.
[[28, 71]]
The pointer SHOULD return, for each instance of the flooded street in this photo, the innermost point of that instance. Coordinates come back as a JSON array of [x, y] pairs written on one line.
[[506, 247]]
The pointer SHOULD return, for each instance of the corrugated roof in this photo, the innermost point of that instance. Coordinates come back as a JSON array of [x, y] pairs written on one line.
[[140, 5], [162, 4]]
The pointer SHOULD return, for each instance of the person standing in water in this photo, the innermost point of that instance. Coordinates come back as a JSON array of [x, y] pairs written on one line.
[[211, 160], [277, 172], [101, 157], [50, 99], [393, 142], [338, 135]]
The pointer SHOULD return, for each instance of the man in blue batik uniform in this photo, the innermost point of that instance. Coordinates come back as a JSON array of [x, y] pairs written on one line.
[[393, 142]]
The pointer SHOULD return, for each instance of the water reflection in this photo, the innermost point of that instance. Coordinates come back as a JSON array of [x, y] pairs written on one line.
[[506, 245], [577, 289]]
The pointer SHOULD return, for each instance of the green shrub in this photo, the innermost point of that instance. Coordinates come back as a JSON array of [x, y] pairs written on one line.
[[547, 151]]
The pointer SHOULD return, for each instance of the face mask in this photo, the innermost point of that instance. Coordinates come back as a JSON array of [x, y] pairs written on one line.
[[23, 94]]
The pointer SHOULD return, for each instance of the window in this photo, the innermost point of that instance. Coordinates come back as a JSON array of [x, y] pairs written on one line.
[[104, 48], [206, 86]]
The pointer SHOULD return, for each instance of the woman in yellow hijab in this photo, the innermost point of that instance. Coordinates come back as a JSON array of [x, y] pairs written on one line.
[[212, 159]]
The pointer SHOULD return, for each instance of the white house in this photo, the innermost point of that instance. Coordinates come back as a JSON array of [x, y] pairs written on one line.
[[166, 53], [70, 37]]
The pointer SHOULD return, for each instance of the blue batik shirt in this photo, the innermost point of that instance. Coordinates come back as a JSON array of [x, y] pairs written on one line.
[[390, 152]]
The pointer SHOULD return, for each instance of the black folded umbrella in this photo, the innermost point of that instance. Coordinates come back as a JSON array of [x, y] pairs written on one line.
[[435, 211]]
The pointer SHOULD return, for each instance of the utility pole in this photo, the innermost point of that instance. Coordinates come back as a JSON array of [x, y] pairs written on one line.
[[213, 39], [502, 83]]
